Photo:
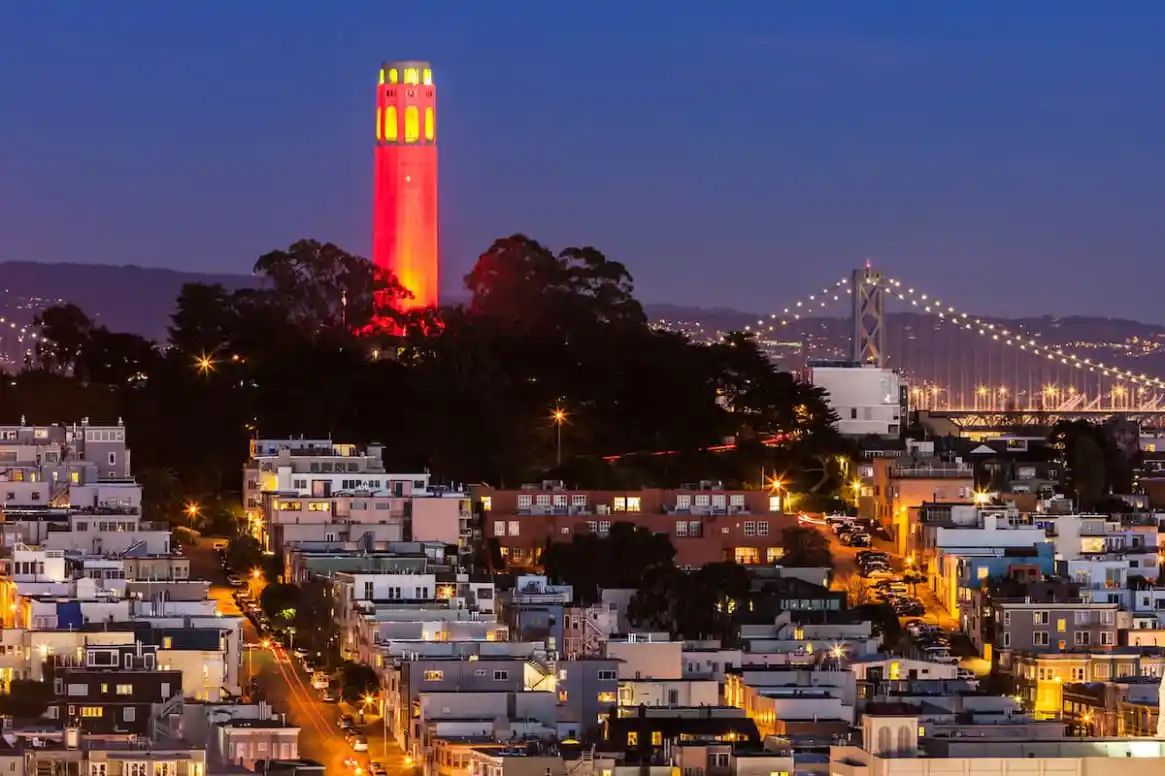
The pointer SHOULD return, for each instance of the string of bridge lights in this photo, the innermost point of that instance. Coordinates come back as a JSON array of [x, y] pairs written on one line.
[[803, 306], [1014, 339], [947, 312]]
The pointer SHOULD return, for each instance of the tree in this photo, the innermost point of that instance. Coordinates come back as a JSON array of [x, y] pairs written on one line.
[[65, 331], [519, 284], [26, 698], [856, 589], [590, 562], [805, 547], [244, 553], [357, 681], [280, 602]]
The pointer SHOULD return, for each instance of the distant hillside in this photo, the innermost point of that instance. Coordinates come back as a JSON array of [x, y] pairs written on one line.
[[127, 298]]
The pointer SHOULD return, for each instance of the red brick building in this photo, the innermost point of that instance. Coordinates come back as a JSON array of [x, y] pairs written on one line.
[[705, 524]]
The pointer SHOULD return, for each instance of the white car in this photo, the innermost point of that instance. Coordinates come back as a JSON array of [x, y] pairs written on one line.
[[805, 519], [359, 744], [320, 681]]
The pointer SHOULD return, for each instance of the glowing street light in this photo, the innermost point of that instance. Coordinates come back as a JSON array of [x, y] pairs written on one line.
[[559, 417], [204, 364]]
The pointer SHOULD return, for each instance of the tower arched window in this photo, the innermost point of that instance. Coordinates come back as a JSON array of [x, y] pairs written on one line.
[[390, 123], [412, 124], [430, 125]]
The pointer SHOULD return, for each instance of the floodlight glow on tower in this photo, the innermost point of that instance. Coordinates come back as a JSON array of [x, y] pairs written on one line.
[[404, 220]]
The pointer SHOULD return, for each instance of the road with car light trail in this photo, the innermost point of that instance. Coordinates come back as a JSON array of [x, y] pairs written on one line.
[[283, 682]]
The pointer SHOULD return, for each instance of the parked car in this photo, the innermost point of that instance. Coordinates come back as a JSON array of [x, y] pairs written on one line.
[[866, 555], [836, 519], [909, 607], [377, 769], [299, 652], [328, 695], [915, 628], [219, 544], [359, 744], [965, 673], [807, 519], [235, 581], [320, 681], [857, 539], [346, 722]]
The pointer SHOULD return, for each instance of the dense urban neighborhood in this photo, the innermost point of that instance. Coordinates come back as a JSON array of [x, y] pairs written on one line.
[[453, 501]]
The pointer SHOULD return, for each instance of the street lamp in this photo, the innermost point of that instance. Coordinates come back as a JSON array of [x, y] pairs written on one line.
[[192, 511], [559, 417], [204, 364]]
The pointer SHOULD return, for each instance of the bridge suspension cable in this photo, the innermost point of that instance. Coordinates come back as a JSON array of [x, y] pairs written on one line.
[[800, 307], [1015, 339]]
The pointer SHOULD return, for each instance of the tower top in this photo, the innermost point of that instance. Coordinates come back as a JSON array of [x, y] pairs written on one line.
[[407, 71]]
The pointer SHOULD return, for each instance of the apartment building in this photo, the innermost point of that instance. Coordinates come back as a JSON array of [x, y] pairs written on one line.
[[117, 689], [901, 486], [1024, 626], [705, 523], [1040, 678], [895, 745]]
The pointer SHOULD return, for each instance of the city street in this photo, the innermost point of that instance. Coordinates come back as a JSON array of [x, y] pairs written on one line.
[[284, 683], [846, 569]]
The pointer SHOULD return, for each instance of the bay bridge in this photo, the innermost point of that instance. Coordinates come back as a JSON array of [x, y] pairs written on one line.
[[979, 374]]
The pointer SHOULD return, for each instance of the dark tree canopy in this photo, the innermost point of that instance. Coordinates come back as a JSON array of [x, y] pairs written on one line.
[[313, 349]]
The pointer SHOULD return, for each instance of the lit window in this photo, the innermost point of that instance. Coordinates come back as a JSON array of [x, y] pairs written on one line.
[[379, 131], [412, 76], [390, 123], [125, 689], [487, 503], [633, 503], [434, 676], [632, 738], [1061, 625], [74, 477], [606, 697], [393, 75], [92, 711], [619, 504], [427, 76], [981, 572], [412, 130], [430, 125], [319, 506], [656, 738], [895, 670]]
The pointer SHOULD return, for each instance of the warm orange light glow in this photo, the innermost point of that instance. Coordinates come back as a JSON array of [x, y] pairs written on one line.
[[559, 415], [192, 509], [204, 364], [255, 573]]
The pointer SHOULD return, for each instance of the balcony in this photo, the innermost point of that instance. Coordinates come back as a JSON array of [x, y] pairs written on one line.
[[933, 471]]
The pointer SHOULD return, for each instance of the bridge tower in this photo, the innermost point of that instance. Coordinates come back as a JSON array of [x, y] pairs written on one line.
[[869, 334]]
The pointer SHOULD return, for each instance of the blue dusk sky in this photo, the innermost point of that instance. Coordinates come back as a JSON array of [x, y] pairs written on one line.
[[1007, 155]]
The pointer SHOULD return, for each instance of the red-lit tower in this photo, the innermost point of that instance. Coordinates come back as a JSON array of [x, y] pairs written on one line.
[[404, 218]]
